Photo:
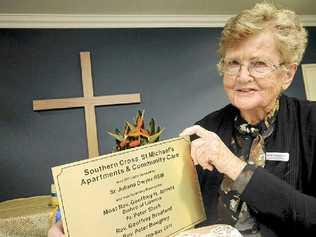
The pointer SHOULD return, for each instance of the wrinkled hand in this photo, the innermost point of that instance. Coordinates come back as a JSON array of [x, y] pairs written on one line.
[[56, 230], [209, 151]]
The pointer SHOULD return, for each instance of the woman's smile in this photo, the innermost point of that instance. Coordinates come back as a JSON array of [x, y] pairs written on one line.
[[246, 91]]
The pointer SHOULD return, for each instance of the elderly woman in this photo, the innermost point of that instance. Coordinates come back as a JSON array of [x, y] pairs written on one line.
[[257, 156]]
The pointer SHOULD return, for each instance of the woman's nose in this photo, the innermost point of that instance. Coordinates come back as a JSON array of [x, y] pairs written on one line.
[[244, 75]]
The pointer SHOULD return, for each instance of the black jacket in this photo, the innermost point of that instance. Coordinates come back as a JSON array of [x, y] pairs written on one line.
[[283, 194]]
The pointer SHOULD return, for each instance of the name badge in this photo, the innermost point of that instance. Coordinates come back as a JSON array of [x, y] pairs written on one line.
[[277, 156]]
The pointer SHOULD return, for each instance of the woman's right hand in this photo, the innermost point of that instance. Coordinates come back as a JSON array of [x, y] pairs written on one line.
[[57, 230]]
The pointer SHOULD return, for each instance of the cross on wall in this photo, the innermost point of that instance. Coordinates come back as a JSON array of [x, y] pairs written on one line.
[[88, 102]]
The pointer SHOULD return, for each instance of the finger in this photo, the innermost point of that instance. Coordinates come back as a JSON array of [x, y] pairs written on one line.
[[193, 153], [56, 230], [193, 157], [201, 151], [203, 157], [209, 167], [60, 226], [190, 130], [205, 164], [202, 146], [195, 147], [196, 129]]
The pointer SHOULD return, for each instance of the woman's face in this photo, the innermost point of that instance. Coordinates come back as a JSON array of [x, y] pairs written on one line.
[[248, 92]]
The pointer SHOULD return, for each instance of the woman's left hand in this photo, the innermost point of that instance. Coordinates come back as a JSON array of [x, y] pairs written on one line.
[[209, 151]]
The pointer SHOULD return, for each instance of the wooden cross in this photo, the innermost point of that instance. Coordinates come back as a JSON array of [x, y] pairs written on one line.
[[89, 102]]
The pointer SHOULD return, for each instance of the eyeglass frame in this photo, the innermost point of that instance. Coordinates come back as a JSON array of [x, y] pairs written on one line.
[[273, 67]]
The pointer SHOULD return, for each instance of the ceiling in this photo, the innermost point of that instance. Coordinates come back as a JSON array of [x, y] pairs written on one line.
[[145, 7]]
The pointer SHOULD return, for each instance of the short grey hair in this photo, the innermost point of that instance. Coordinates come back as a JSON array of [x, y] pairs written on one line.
[[288, 32]]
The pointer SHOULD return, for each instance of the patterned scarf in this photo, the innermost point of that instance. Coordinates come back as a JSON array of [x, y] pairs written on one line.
[[248, 144]]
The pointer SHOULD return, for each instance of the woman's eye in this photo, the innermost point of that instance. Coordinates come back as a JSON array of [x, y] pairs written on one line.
[[233, 63], [259, 64]]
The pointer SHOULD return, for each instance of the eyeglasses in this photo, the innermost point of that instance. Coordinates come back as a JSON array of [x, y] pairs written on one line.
[[257, 68]]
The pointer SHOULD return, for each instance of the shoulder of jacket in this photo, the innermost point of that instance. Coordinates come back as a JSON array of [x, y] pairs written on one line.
[[214, 119], [305, 107]]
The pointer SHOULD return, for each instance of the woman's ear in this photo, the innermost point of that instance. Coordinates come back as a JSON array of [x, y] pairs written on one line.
[[289, 75]]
